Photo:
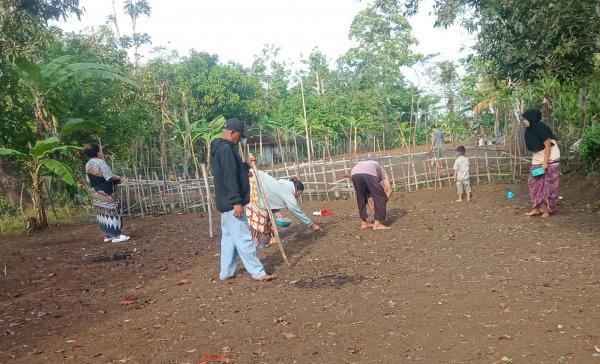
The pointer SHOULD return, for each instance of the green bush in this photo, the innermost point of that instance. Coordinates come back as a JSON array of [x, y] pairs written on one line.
[[6, 208], [590, 147]]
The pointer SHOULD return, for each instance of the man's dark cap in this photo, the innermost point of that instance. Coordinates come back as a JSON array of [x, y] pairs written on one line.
[[234, 124]]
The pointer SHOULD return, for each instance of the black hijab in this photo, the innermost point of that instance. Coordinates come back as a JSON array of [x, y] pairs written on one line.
[[537, 132]]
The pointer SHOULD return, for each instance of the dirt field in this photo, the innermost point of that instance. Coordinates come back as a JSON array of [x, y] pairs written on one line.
[[450, 283]]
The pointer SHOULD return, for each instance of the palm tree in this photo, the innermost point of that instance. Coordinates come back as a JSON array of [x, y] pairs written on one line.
[[136, 8]]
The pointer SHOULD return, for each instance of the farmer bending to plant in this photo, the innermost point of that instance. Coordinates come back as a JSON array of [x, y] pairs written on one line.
[[367, 177]]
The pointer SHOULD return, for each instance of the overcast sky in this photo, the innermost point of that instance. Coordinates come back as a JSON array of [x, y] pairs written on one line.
[[237, 30]]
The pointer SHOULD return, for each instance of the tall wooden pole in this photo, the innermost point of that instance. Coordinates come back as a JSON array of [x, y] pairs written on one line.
[[263, 197], [308, 149], [208, 202]]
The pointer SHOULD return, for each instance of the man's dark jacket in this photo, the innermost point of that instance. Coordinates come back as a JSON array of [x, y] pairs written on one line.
[[230, 174]]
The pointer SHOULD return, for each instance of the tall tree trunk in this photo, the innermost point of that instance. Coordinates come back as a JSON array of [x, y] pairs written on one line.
[[116, 23], [164, 89], [187, 143], [136, 45], [416, 120], [410, 120], [281, 151], [356, 140], [497, 122]]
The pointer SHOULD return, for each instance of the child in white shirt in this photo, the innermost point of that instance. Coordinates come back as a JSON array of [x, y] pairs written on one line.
[[461, 174]]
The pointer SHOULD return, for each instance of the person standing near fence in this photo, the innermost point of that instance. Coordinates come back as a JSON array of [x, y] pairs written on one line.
[[104, 196], [232, 194], [367, 177], [461, 174], [540, 140], [436, 144]]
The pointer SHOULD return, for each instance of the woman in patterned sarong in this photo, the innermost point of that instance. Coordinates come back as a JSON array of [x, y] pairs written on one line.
[[104, 197], [540, 140]]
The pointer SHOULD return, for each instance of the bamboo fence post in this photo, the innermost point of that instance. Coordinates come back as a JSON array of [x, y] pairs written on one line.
[[427, 175], [150, 196], [392, 171], [162, 199], [314, 174], [208, 202], [307, 185], [264, 199], [128, 200], [477, 166], [139, 195], [513, 163], [404, 176], [182, 196], [412, 163], [187, 194], [348, 179], [513, 167], [198, 176], [498, 165], [487, 167], [520, 165], [336, 191], [447, 171], [325, 181]]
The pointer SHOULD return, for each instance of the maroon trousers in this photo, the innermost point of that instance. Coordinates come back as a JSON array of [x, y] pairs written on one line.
[[367, 186]]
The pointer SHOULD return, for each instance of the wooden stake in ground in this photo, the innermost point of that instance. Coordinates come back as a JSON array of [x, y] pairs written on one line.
[[263, 197], [208, 202]]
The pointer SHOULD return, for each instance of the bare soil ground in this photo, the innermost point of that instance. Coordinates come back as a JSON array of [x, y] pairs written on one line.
[[450, 283]]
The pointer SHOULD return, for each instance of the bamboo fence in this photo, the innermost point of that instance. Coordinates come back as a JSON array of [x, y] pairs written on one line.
[[143, 193]]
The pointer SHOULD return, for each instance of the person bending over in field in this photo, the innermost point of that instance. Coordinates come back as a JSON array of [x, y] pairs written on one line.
[[367, 177]]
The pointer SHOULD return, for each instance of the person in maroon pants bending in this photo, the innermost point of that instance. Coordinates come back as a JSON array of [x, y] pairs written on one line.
[[367, 177]]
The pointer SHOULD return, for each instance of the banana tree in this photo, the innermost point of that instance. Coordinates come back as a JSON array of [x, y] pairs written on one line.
[[39, 162], [207, 132], [44, 81]]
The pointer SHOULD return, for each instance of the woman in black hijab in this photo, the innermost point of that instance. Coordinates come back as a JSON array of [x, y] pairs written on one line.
[[543, 188]]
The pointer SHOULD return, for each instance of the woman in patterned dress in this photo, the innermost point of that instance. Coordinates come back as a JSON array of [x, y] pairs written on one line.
[[540, 140], [104, 197]]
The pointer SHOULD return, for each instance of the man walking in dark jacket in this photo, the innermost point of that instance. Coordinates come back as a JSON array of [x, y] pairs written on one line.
[[232, 190]]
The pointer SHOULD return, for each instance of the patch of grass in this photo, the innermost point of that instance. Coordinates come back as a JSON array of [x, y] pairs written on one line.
[[12, 225], [551, 310], [64, 215], [428, 227]]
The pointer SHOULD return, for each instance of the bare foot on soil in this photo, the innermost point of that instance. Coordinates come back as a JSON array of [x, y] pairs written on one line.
[[380, 226], [366, 225], [534, 212], [546, 215], [266, 278], [459, 200]]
